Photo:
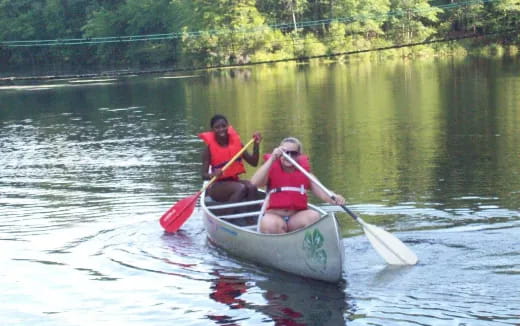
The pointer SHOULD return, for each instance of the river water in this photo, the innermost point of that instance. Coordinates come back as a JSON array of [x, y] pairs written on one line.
[[428, 150]]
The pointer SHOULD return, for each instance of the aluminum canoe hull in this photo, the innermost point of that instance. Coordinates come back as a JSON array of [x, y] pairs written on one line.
[[316, 251]]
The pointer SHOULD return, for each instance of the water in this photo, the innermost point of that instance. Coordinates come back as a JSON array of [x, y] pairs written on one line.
[[428, 150]]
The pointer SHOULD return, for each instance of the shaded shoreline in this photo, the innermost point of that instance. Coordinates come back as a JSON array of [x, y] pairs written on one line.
[[484, 51]]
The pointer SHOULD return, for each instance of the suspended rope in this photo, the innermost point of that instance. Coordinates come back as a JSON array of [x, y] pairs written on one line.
[[283, 27]]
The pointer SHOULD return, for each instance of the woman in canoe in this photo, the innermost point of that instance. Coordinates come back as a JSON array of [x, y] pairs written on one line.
[[287, 186], [223, 142]]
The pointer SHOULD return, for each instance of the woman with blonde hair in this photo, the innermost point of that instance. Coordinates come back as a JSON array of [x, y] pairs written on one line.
[[287, 187]]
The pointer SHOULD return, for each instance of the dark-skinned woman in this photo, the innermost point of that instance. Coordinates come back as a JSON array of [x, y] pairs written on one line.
[[223, 142]]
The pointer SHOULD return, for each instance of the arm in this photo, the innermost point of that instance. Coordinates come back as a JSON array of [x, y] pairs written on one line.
[[253, 159], [204, 172], [260, 178], [321, 194], [206, 158]]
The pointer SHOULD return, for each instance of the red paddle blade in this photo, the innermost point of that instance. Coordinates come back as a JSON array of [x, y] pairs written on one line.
[[175, 217]]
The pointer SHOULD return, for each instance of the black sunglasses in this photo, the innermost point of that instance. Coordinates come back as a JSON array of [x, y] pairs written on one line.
[[292, 153]]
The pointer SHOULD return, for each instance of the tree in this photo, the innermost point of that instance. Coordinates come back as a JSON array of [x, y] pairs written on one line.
[[503, 15], [362, 17], [283, 11], [132, 17], [233, 30], [462, 17], [411, 20]]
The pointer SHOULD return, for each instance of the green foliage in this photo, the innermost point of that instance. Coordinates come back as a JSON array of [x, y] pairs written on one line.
[[232, 32], [492, 50], [132, 17], [512, 50], [200, 50], [466, 18], [283, 11], [450, 49], [411, 21], [367, 16], [337, 38], [503, 15], [224, 32], [312, 47], [274, 48]]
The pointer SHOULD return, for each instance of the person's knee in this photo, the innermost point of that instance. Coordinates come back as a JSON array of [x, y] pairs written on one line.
[[239, 192], [303, 219], [241, 188], [272, 225], [251, 188], [313, 217], [252, 191]]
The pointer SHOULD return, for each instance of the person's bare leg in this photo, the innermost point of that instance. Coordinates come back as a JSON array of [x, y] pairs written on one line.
[[272, 224], [238, 192], [302, 219], [227, 192], [220, 191], [251, 190], [250, 195]]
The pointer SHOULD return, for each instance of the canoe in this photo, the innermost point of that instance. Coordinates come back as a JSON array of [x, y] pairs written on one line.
[[315, 252]]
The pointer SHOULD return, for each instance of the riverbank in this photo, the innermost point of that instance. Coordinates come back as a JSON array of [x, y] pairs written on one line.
[[457, 47]]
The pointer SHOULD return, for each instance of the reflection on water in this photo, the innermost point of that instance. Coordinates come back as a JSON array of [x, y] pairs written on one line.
[[291, 301], [227, 290], [281, 299], [428, 150]]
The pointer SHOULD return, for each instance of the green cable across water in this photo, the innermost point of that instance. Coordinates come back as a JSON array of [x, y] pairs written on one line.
[[179, 35]]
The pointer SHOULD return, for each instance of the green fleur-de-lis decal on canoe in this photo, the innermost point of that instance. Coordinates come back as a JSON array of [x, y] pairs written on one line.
[[315, 255]]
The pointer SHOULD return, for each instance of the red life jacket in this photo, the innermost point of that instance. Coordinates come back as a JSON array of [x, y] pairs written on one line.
[[278, 179], [220, 156]]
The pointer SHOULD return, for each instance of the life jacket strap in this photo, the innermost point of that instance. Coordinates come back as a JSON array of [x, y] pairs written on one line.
[[300, 189]]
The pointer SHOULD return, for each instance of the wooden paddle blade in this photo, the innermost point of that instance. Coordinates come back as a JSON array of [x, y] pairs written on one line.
[[175, 217], [388, 246]]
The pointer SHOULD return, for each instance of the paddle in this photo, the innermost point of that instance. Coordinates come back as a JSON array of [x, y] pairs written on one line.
[[173, 219], [388, 246]]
